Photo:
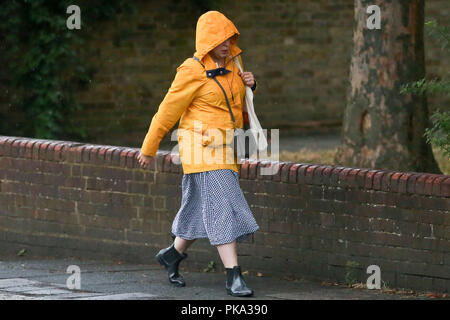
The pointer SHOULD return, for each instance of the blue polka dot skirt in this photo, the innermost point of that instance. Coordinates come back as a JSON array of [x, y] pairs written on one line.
[[214, 207]]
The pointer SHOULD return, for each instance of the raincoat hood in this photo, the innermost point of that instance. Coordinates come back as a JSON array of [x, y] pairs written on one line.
[[213, 28]]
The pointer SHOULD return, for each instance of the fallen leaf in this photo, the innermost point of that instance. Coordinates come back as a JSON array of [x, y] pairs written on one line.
[[259, 274], [388, 291], [245, 272], [359, 286]]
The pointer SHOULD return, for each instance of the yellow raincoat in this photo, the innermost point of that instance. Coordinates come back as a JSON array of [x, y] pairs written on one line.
[[206, 129]]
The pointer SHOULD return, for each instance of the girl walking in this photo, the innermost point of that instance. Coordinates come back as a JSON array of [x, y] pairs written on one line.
[[213, 205]]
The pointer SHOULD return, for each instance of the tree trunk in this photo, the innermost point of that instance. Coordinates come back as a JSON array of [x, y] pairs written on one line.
[[383, 129]]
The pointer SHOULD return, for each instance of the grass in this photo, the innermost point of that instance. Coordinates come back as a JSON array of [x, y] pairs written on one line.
[[326, 156]]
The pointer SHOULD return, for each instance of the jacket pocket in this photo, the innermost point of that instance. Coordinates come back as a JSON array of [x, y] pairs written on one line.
[[218, 137], [203, 135]]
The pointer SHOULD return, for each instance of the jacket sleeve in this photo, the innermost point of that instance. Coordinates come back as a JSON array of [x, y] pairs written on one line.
[[178, 98]]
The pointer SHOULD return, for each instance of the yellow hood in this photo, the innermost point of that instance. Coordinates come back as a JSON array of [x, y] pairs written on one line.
[[213, 28]]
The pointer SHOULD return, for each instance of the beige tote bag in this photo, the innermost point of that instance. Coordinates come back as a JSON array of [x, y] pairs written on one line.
[[255, 127]]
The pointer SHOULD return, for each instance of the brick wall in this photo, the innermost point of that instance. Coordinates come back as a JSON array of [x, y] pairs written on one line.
[[298, 50], [62, 198]]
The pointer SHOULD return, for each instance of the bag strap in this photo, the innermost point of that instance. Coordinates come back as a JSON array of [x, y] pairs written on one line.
[[223, 90]]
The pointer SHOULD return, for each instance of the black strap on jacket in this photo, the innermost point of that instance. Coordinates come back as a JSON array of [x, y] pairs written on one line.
[[212, 74]]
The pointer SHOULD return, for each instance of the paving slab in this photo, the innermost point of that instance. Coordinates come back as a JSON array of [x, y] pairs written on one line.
[[45, 279]]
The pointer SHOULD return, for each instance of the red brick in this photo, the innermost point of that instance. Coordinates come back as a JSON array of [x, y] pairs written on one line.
[[160, 159], [22, 148], [334, 176], [43, 150], [79, 153], [115, 157], [101, 155], [9, 145], [2, 144], [411, 183], [167, 162], [124, 157], [243, 170], [395, 181], [262, 164], [88, 153], [309, 173], [86, 149], [5, 163], [301, 173], [436, 189], [57, 151], [445, 188], [428, 187], [368, 184], [92, 154], [293, 172], [278, 165], [420, 184], [285, 171], [131, 157], [108, 154], [403, 182], [342, 182], [29, 149], [151, 166], [252, 172], [35, 149], [361, 178], [65, 151], [15, 147], [50, 154], [175, 164], [377, 178], [69, 154], [386, 181], [326, 173], [351, 178], [317, 177]]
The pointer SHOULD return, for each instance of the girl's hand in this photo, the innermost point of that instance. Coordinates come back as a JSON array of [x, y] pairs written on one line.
[[144, 160], [247, 78]]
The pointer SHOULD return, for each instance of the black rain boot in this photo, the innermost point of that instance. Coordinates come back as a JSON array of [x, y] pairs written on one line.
[[170, 259], [235, 283]]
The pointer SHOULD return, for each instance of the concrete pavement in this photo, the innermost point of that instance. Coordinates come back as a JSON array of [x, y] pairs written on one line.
[[23, 278]]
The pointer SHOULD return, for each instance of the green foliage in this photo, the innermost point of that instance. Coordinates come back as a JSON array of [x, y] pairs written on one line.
[[441, 33], [42, 64], [211, 267], [423, 86], [351, 272], [439, 134]]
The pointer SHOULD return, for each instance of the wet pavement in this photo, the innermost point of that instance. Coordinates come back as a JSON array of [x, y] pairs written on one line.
[[23, 278]]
